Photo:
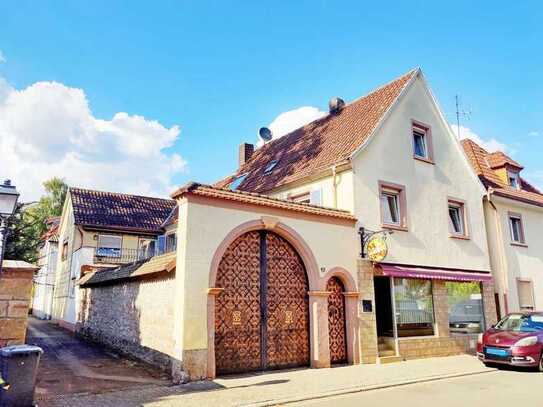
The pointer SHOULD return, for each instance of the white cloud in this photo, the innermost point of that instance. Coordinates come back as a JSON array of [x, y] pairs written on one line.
[[48, 129], [2, 57], [489, 145], [534, 133], [293, 119]]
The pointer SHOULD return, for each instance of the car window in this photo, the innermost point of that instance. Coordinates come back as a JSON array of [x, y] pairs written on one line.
[[521, 323]]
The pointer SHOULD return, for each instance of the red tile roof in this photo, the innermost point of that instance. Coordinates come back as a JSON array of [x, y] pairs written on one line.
[[112, 210], [260, 200], [500, 159], [483, 163], [319, 145]]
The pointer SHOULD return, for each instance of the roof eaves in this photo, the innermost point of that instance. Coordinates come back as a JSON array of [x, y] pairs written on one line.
[[414, 74]]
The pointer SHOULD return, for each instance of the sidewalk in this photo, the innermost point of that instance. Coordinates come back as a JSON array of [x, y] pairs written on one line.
[[283, 387]]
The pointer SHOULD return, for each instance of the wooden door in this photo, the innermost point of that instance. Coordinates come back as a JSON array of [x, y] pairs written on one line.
[[336, 321]]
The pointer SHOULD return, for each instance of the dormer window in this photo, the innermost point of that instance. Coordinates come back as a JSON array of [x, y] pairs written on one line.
[[422, 142], [270, 166], [237, 182], [514, 179]]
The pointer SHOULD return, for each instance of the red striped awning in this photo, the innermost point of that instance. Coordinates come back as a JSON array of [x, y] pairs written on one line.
[[434, 274]]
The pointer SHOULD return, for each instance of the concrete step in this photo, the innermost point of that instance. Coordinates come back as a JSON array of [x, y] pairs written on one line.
[[385, 346], [389, 359], [387, 353]]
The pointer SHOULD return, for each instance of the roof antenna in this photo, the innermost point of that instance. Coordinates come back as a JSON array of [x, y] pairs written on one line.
[[464, 113]]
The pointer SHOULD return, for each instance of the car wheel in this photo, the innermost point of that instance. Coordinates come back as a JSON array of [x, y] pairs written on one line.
[[541, 363], [492, 365]]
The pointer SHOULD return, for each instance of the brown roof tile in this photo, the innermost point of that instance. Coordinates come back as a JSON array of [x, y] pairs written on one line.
[[260, 200], [119, 211], [319, 145], [483, 162], [157, 264]]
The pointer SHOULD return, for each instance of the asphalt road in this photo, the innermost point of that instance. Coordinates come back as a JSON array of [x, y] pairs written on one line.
[[500, 388]]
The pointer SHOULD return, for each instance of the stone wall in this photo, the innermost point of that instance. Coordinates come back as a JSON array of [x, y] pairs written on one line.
[[15, 292], [418, 348], [134, 317], [367, 321]]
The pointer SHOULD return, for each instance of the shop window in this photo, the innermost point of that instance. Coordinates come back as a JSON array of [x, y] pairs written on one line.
[[422, 142], [457, 219], [393, 206], [466, 312], [516, 228], [414, 307], [109, 245], [525, 295]]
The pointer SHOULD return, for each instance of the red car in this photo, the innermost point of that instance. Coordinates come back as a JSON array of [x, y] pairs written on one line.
[[516, 340]]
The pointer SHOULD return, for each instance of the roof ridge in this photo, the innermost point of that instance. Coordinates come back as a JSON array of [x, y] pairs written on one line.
[[117, 193], [375, 90]]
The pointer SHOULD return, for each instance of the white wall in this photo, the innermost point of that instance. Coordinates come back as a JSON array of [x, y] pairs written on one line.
[[510, 262], [44, 281], [389, 157], [203, 229]]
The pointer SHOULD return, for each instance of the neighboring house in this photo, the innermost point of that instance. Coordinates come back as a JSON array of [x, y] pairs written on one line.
[[44, 280], [101, 230], [514, 222], [268, 270]]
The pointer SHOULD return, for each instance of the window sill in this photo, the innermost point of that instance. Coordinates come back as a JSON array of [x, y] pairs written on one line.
[[460, 237], [394, 227], [519, 244], [424, 159]]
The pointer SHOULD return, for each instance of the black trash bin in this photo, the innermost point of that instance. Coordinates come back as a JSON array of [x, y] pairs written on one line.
[[18, 369]]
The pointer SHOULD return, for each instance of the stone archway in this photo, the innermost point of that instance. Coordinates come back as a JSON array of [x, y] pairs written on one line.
[[261, 314]]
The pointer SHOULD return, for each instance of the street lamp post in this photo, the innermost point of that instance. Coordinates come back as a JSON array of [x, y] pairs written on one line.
[[8, 203]]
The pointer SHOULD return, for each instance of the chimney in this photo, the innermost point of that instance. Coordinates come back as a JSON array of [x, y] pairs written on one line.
[[246, 150]]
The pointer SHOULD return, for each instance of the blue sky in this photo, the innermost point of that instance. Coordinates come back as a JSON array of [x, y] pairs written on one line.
[[211, 73]]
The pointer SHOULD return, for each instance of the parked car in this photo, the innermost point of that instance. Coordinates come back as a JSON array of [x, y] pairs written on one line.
[[516, 340], [466, 317]]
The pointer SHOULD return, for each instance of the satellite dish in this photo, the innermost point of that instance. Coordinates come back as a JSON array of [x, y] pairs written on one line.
[[265, 134], [336, 104]]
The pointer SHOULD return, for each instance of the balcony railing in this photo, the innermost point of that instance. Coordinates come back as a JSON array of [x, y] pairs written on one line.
[[109, 255]]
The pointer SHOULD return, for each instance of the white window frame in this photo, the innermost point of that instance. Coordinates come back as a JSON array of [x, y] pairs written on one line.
[[521, 233], [511, 175], [114, 251], [529, 307]]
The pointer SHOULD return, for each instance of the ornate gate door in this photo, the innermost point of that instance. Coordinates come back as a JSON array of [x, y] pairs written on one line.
[[262, 315], [287, 342], [336, 321]]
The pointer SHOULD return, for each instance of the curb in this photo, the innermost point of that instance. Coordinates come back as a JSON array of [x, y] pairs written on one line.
[[364, 388]]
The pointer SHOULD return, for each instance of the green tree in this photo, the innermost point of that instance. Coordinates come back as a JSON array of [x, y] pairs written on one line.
[[28, 223]]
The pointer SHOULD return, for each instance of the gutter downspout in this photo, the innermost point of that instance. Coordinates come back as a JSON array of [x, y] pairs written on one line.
[[334, 185], [501, 253]]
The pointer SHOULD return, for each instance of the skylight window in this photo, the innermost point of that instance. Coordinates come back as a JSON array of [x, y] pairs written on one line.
[[271, 166], [236, 183]]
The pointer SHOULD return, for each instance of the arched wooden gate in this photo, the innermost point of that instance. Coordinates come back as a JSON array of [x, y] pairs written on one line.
[[336, 321], [262, 315]]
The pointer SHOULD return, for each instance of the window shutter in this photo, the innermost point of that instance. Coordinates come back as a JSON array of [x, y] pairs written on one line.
[[111, 242], [161, 243], [315, 198], [525, 294]]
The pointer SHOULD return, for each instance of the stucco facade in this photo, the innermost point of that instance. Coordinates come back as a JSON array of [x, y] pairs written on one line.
[[326, 247], [512, 262]]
